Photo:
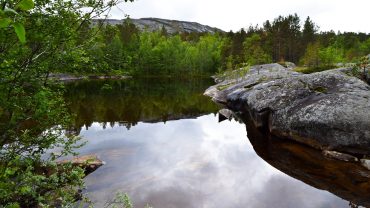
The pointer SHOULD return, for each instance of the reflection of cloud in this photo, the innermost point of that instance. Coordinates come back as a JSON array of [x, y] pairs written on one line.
[[169, 197], [279, 187], [190, 163]]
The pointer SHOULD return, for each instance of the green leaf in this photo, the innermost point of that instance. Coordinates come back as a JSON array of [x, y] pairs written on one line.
[[25, 190], [20, 31], [13, 205], [26, 5], [4, 22]]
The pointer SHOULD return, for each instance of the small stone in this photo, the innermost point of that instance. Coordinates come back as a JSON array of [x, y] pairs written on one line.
[[365, 163], [340, 156]]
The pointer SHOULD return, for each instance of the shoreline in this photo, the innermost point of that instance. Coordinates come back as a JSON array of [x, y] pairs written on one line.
[[72, 78]]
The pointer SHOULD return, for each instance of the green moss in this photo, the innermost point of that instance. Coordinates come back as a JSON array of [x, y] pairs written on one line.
[[234, 74], [309, 70], [262, 79], [301, 69], [222, 87], [283, 64], [244, 70], [320, 89]]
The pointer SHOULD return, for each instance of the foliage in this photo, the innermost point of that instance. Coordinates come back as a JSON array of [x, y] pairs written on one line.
[[311, 58], [120, 201], [254, 52], [36, 38], [12, 15], [285, 39], [124, 49], [318, 58], [330, 55], [27, 179], [361, 69]]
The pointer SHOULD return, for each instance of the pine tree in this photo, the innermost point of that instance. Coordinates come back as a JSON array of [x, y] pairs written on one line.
[[308, 33]]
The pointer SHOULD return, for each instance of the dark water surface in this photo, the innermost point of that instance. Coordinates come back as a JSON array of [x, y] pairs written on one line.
[[163, 146]]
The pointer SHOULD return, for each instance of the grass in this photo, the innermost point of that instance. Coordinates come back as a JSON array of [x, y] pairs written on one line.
[[222, 87], [309, 70], [234, 74]]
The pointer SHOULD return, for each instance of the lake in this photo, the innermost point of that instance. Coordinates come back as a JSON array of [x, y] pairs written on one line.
[[164, 146]]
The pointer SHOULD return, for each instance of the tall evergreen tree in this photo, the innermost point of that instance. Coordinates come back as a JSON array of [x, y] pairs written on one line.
[[308, 32]]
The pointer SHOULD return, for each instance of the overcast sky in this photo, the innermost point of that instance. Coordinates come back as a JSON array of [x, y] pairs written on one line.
[[343, 15]]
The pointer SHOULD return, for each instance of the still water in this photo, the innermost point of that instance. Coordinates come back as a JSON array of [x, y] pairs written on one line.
[[163, 146]]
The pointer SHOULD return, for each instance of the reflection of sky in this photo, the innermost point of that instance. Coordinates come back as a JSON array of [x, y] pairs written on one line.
[[191, 163]]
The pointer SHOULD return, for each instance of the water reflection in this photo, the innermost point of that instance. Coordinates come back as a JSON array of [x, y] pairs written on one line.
[[126, 102], [347, 180], [164, 146], [192, 163]]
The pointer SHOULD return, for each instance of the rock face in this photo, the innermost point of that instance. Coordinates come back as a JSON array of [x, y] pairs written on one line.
[[326, 110], [171, 26]]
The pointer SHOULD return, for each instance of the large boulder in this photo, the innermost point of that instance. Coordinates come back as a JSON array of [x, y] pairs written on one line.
[[327, 110]]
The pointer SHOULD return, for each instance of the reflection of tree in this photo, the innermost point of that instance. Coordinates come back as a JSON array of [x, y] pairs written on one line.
[[131, 101]]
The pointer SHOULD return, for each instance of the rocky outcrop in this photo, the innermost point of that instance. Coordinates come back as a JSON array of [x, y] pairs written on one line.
[[171, 26], [326, 110]]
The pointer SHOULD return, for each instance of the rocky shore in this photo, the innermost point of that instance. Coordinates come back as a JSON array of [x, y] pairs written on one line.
[[329, 110]]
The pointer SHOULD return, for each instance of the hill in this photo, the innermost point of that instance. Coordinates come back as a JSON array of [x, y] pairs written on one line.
[[171, 26]]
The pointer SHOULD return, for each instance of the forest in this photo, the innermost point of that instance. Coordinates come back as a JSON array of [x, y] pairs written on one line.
[[124, 49], [287, 39]]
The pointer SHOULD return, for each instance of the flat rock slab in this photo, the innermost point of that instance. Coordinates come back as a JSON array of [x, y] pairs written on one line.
[[88, 162], [327, 110]]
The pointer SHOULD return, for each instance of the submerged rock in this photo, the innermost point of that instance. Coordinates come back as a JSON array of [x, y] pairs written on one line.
[[88, 162], [326, 110]]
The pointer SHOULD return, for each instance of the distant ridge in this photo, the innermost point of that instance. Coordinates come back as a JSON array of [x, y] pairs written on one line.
[[171, 26]]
